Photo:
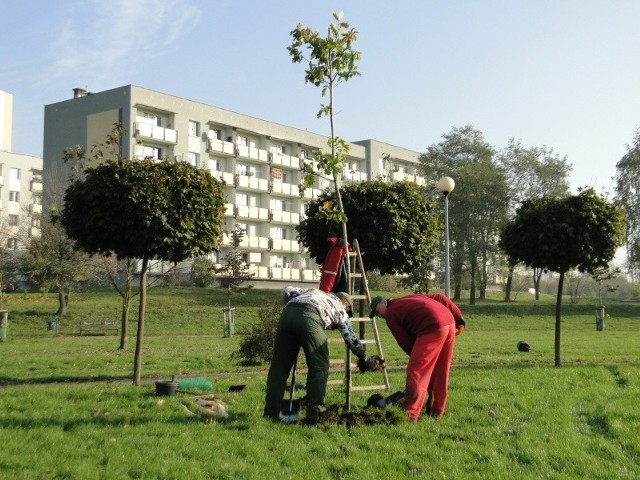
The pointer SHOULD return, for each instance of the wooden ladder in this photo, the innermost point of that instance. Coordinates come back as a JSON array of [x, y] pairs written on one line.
[[359, 291]]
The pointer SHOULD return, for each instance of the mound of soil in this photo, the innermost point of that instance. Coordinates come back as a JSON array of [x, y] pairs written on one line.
[[356, 418]]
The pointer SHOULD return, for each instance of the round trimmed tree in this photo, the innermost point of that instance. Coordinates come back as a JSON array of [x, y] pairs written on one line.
[[145, 210], [562, 233], [395, 224]]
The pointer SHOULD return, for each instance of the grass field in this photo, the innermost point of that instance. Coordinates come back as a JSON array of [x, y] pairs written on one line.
[[68, 409]]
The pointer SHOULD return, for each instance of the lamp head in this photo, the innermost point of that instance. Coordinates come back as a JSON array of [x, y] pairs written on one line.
[[446, 185]]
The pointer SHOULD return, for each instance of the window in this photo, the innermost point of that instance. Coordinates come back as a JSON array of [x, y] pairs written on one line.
[[241, 169], [240, 140], [35, 222], [242, 199], [304, 154], [14, 196], [13, 220], [276, 261], [279, 233], [12, 243], [14, 174], [37, 199], [277, 148], [214, 164], [154, 153], [194, 129], [194, 158], [276, 173]]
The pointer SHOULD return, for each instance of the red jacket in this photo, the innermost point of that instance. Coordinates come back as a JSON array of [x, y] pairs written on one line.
[[414, 315]]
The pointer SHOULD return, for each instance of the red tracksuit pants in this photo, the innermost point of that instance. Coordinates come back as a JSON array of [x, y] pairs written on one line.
[[428, 372]]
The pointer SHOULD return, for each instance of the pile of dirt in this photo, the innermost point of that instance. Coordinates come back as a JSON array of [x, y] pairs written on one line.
[[356, 418]]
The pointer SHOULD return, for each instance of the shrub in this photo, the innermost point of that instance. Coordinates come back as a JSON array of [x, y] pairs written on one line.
[[202, 272], [256, 347]]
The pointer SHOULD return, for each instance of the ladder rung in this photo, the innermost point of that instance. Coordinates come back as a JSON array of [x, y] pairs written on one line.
[[369, 387]]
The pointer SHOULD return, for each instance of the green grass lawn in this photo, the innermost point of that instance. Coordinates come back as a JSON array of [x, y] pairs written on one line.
[[68, 409]]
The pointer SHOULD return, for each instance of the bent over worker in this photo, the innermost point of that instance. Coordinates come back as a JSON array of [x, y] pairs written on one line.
[[425, 328], [304, 319]]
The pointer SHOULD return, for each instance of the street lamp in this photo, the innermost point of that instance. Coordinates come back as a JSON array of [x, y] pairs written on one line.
[[446, 186]]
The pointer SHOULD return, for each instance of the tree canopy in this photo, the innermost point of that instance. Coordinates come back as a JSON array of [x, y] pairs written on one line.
[[560, 233], [628, 194], [478, 206], [165, 210], [395, 224]]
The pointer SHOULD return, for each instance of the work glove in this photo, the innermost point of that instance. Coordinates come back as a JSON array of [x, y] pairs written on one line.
[[370, 364]]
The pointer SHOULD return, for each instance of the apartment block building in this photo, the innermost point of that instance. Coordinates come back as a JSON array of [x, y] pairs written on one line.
[[259, 160], [21, 185]]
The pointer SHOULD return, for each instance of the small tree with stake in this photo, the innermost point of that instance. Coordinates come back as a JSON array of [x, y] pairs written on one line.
[[331, 60], [235, 274]]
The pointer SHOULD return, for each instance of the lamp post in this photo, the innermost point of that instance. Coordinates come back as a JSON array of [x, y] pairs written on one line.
[[446, 186]]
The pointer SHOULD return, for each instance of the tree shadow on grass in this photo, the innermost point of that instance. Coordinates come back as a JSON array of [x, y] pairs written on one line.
[[13, 382]]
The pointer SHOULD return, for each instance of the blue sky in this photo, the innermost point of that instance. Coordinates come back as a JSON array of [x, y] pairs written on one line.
[[560, 73]]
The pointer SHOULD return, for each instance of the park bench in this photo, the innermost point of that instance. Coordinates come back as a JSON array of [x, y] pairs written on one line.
[[99, 327]]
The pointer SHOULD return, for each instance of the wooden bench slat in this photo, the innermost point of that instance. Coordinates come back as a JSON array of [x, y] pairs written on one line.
[[103, 326]]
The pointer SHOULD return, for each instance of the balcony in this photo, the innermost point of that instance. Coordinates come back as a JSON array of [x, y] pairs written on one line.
[[34, 208], [285, 189], [252, 213], [248, 241], [355, 176], [34, 232], [280, 245], [258, 154], [310, 193], [229, 210], [284, 217], [251, 182], [260, 273], [36, 187], [220, 146], [279, 273], [225, 176], [160, 134], [284, 160]]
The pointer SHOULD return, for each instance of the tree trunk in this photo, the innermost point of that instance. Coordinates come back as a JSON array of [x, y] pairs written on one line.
[[124, 314], [137, 362], [484, 277], [472, 286], [62, 303], [557, 332], [507, 288], [537, 274]]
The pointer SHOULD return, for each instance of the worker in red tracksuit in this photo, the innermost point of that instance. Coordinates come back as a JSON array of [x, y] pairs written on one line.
[[425, 327]]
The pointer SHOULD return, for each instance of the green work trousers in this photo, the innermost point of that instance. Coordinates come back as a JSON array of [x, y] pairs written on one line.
[[299, 327]]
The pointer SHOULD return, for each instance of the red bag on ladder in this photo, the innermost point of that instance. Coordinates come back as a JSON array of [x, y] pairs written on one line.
[[333, 276]]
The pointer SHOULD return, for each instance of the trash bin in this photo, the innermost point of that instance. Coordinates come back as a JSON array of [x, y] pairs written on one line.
[[52, 323], [4, 324], [600, 318], [229, 318]]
